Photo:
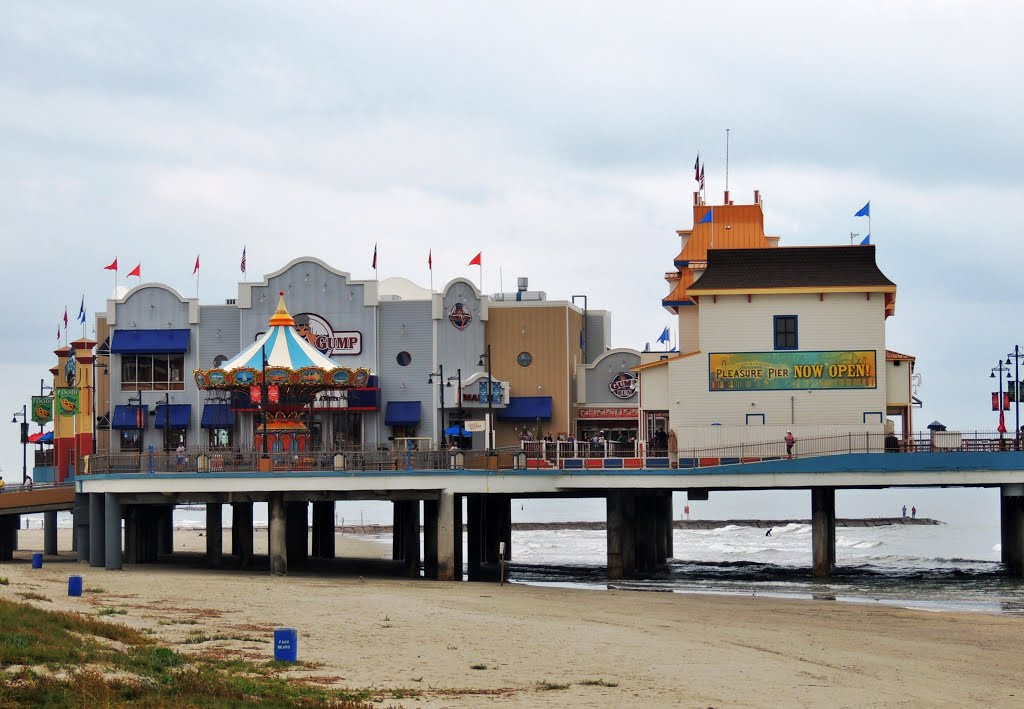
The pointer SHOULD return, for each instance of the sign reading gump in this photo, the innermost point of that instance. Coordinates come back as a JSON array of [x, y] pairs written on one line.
[[748, 371]]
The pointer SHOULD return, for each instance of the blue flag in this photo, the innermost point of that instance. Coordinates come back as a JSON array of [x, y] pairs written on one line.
[[583, 343], [665, 336], [81, 311], [865, 211], [866, 240], [707, 218]]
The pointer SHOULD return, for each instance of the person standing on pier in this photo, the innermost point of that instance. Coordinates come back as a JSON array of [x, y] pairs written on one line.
[[913, 512], [790, 441], [904, 510]]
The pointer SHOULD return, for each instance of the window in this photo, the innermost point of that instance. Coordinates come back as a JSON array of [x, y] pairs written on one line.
[[403, 359], [525, 359], [131, 439], [785, 332], [220, 437], [152, 372]]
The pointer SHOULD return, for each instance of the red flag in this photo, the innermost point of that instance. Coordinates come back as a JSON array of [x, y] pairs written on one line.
[[65, 317], [1002, 423], [477, 260], [194, 270], [430, 259], [111, 267], [374, 257], [137, 271]]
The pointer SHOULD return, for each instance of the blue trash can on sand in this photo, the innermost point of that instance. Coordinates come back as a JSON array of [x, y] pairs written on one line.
[[286, 641], [74, 585], [37, 560]]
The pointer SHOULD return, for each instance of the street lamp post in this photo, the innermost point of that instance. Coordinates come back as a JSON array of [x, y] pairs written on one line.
[[458, 398], [1016, 355], [1000, 368], [440, 385], [24, 440], [490, 400], [263, 398]]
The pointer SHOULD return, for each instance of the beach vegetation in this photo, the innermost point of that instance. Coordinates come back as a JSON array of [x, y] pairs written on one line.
[[478, 666], [598, 683], [33, 596], [4, 581], [59, 659], [112, 611], [94, 589], [548, 686]]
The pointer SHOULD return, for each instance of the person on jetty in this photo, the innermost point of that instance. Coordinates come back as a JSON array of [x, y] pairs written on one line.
[[913, 512], [790, 442], [904, 510]]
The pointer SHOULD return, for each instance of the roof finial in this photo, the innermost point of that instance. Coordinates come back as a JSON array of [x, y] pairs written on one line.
[[281, 316]]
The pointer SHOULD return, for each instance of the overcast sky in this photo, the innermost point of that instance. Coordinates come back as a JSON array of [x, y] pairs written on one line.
[[557, 138]]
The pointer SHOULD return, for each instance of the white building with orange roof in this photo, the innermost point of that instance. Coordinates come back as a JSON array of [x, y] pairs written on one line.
[[773, 339]]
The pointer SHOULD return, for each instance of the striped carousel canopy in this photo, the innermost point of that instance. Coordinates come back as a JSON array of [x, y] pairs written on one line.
[[291, 360]]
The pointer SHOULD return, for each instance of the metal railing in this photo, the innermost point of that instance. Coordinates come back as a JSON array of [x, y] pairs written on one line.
[[538, 454]]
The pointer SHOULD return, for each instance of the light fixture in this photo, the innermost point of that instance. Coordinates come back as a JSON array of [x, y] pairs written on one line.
[[14, 419]]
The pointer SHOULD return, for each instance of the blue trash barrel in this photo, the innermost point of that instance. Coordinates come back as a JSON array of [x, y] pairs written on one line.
[[37, 560], [286, 641], [74, 585]]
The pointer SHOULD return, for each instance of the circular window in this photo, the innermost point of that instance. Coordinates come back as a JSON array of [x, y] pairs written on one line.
[[403, 359], [525, 359], [218, 361]]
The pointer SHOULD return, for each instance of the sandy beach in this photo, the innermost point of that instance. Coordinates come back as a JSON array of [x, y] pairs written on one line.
[[469, 645]]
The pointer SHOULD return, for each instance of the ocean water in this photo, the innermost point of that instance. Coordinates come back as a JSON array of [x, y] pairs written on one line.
[[950, 566]]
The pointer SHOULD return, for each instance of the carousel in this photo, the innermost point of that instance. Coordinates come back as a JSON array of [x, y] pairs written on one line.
[[281, 373]]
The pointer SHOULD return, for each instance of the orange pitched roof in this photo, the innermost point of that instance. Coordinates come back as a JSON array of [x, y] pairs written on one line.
[[735, 226]]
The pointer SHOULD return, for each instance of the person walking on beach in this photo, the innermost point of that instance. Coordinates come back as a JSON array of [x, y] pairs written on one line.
[[913, 512], [904, 510], [790, 442]]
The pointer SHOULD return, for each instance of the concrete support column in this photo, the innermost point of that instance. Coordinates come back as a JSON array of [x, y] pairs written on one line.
[[276, 530], [430, 541], [80, 525], [661, 524], [214, 535], [646, 533], [131, 533], [398, 508], [297, 533], [241, 533], [669, 526], [823, 530], [8, 535], [446, 538], [621, 506], [165, 529], [97, 530], [49, 532], [1011, 528], [411, 538], [323, 529], [112, 531], [458, 533]]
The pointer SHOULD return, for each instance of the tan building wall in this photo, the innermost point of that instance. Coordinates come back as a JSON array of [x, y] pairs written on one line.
[[550, 333]]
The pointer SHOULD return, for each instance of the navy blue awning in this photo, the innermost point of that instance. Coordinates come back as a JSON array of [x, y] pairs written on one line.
[[181, 414], [364, 399], [149, 341], [129, 417], [217, 416], [526, 408], [402, 413]]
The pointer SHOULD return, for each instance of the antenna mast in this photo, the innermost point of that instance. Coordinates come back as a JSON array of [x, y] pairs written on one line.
[[726, 159]]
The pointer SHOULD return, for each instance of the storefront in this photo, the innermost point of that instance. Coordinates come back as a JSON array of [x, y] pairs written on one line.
[[607, 398]]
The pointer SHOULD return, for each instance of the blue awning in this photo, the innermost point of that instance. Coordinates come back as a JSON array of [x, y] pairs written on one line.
[[217, 416], [181, 414], [149, 341], [526, 408], [129, 417], [46, 438], [364, 399], [402, 413]]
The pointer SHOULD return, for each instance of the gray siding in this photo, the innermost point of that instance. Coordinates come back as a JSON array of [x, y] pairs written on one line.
[[599, 333], [406, 327], [460, 348], [603, 372]]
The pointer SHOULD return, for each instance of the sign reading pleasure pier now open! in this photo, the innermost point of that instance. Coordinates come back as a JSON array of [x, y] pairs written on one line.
[[759, 371]]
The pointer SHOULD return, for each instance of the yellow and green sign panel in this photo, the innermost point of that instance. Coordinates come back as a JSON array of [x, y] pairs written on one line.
[[67, 401], [761, 371], [42, 409]]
